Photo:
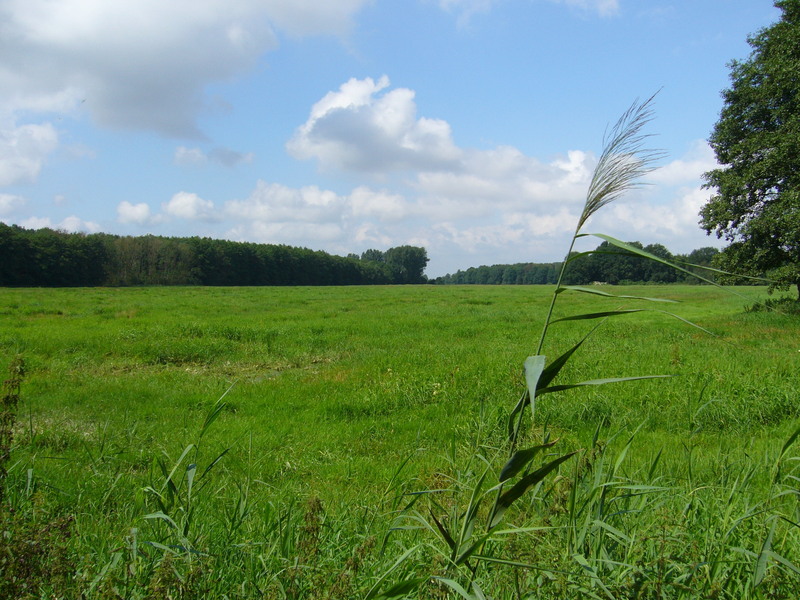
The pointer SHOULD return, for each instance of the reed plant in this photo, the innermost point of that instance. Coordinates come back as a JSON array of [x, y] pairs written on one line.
[[463, 523]]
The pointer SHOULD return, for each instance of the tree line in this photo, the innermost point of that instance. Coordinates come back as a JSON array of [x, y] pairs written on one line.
[[49, 258], [606, 264]]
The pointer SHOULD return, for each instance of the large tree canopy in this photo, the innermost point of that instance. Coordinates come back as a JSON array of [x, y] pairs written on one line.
[[756, 205]]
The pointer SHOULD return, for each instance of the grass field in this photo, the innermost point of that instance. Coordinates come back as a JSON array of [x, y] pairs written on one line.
[[340, 405]]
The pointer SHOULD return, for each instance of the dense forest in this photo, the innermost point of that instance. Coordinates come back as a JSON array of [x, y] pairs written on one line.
[[49, 258], [606, 264]]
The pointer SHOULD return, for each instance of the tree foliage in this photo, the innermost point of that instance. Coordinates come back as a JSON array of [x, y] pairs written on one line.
[[605, 264], [51, 258], [756, 205]]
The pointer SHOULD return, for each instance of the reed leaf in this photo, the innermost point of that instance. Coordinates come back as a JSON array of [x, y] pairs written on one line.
[[163, 517], [169, 479], [215, 411], [392, 591], [779, 463], [523, 485], [570, 386], [403, 588], [626, 311], [521, 459], [597, 292], [763, 558], [456, 587], [443, 532], [534, 366], [644, 254]]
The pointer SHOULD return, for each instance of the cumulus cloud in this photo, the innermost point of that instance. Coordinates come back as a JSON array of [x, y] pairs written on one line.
[[689, 168], [365, 128], [10, 203], [223, 156], [144, 64], [275, 203], [325, 235], [277, 213], [382, 205], [138, 214], [23, 150], [76, 224], [497, 200], [71, 224], [462, 198], [186, 205]]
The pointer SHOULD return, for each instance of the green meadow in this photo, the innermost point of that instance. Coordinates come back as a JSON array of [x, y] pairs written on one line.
[[321, 442]]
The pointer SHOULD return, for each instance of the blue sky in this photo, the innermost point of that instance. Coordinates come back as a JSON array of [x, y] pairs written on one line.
[[470, 127]]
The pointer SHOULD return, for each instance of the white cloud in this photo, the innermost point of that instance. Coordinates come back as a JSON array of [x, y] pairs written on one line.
[[186, 205], [138, 214], [360, 128], [323, 234], [498, 201], [559, 222], [36, 223], [10, 203], [71, 224], [383, 205], [75, 224], [279, 214], [666, 215], [23, 150], [689, 168], [367, 235], [144, 64], [279, 204], [364, 126], [459, 199]]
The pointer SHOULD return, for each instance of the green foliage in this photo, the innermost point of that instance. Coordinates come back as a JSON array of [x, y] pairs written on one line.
[[756, 205], [407, 264], [605, 264], [57, 259], [782, 305]]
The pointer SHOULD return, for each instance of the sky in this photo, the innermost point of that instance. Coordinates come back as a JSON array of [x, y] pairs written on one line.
[[468, 127]]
